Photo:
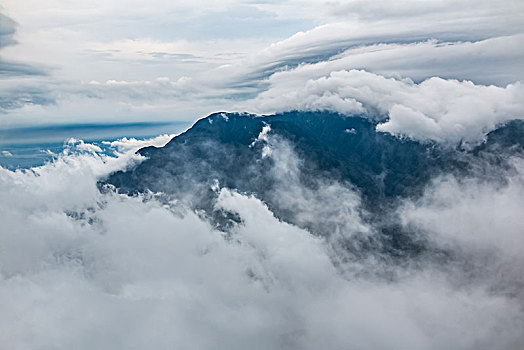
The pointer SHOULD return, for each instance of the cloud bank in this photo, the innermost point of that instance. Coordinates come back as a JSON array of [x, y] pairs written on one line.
[[106, 270], [435, 109]]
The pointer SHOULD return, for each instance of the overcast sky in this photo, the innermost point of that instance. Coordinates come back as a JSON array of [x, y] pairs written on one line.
[[64, 61]]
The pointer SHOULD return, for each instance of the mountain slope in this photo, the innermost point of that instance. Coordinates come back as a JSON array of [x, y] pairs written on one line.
[[287, 158]]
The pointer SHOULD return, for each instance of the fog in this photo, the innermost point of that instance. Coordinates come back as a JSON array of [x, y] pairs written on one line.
[[83, 268]]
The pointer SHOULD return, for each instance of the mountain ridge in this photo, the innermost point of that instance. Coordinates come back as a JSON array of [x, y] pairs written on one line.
[[383, 169]]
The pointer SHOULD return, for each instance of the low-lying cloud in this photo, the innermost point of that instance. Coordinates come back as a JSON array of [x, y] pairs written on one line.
[[104, 270]]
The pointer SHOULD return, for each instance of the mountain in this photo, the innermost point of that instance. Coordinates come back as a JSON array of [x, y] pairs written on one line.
[[317, 148]]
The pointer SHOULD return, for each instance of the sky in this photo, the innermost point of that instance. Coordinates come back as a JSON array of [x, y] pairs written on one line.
[[64, 62]]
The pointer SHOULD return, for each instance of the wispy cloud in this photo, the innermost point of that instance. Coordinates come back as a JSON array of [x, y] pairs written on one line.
[[7, 38]]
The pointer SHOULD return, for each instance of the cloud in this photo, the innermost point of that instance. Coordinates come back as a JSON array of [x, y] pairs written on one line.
[[326, 208], [7, 38], [464, 40], [126, 145], [480, 219], [25, 94], [7, 30], [402, 24], [490, 61], [19, 69], [141, 91], [435, 109], [485, 11], [105, 270]]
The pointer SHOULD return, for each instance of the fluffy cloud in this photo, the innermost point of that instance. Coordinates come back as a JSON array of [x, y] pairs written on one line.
[[435, 109], [105, 270]]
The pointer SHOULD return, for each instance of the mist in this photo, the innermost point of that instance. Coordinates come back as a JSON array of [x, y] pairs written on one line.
[[83, 268]]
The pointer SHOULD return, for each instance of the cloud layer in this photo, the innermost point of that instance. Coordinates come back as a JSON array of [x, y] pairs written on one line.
[[184, 75], [105, 270]]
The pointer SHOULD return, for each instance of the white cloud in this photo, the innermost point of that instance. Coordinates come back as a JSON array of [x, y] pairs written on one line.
[[436, 109], [106, 42], [112, 271], [481, 219], [125, 145], [331, 209], [491, 61]]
